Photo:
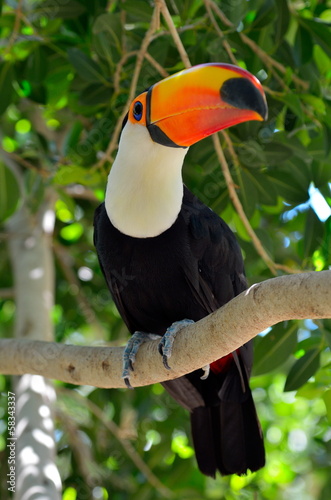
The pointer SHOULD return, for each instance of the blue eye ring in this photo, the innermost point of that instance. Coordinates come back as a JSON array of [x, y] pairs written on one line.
[[138, 110]]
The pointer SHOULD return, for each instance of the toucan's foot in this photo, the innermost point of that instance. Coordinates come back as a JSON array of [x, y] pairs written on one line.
[[165, 346], [130, 352]]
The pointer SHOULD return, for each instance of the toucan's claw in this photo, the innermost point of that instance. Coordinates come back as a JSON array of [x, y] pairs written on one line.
[[167, 341], [130, 352], [206, 370], [127, 381], [165, 362]]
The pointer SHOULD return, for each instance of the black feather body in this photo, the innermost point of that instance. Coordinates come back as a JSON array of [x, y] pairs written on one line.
[[189, 271]]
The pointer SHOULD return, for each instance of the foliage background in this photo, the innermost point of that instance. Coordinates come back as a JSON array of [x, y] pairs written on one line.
[[68, 69]]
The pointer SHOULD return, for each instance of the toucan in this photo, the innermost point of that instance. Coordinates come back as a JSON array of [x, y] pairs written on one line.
[[169, 259]]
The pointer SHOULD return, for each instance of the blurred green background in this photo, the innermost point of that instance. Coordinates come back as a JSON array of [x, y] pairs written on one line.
[[66, 75]]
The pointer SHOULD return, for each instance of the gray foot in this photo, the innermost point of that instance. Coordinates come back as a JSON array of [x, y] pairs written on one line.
[[130, 352], [165, 346]]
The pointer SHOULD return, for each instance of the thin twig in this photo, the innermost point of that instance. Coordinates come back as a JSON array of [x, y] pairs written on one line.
[[218, 30], [268, 60], [164, 73], [125, 443], [237, 204], [235, 160], [7, 293], [172, 28], [78, 445], [16, 27], [83, 303], [140, 57], [123, 60], [25, 163]]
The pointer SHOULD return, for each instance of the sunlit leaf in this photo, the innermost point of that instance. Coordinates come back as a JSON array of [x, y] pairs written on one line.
[[69, 494], [327, 401], [71, 174], [180, 446], [72, 232]]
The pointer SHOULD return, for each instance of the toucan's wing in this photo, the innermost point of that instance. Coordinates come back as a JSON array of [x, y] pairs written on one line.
[[219, 271]]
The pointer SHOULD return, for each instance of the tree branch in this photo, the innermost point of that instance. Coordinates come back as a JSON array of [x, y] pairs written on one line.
[[300, 296]]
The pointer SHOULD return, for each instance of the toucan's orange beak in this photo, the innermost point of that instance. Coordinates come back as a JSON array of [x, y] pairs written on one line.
[[194, 103]]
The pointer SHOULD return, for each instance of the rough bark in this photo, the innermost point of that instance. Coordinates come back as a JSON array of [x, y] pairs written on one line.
[[299, 296], [32, 263]]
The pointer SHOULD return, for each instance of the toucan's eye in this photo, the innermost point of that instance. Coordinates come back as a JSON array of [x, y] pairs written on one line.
[[138, 110]]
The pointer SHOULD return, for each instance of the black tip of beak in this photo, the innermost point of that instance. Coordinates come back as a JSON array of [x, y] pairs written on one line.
[[243, 94]]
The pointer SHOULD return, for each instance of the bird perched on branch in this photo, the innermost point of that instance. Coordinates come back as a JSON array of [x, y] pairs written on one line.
[[181, 259]]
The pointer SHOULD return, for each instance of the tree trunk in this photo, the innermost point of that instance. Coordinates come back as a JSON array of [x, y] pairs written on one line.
[[36, 475]]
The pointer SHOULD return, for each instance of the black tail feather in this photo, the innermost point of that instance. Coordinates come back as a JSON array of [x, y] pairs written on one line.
[[203, 435], [227, 437]]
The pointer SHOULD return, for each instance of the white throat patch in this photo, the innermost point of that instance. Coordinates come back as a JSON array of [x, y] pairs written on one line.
[[145, 188]]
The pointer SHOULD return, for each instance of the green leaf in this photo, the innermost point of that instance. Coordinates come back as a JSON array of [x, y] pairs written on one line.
[[138, 10], [38, 93], [274, 349], [303, 45], [276, 152], [87, 69], [327, 401], [316, 148], [73, 174], [317, 103], [287, 187], [95, 93], [36, 66], [265, 15], [265, 189], [72, 137], [292, 180], [247, 192], [327, 139], [321, 59], [9, 192], [293, 102], [283, 19], [302, 370], [321, 173], [72, 232], [314, 232], [251, 154], [107, 34], [6, 85], [310, 391], [68, 9], [320, 33]]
